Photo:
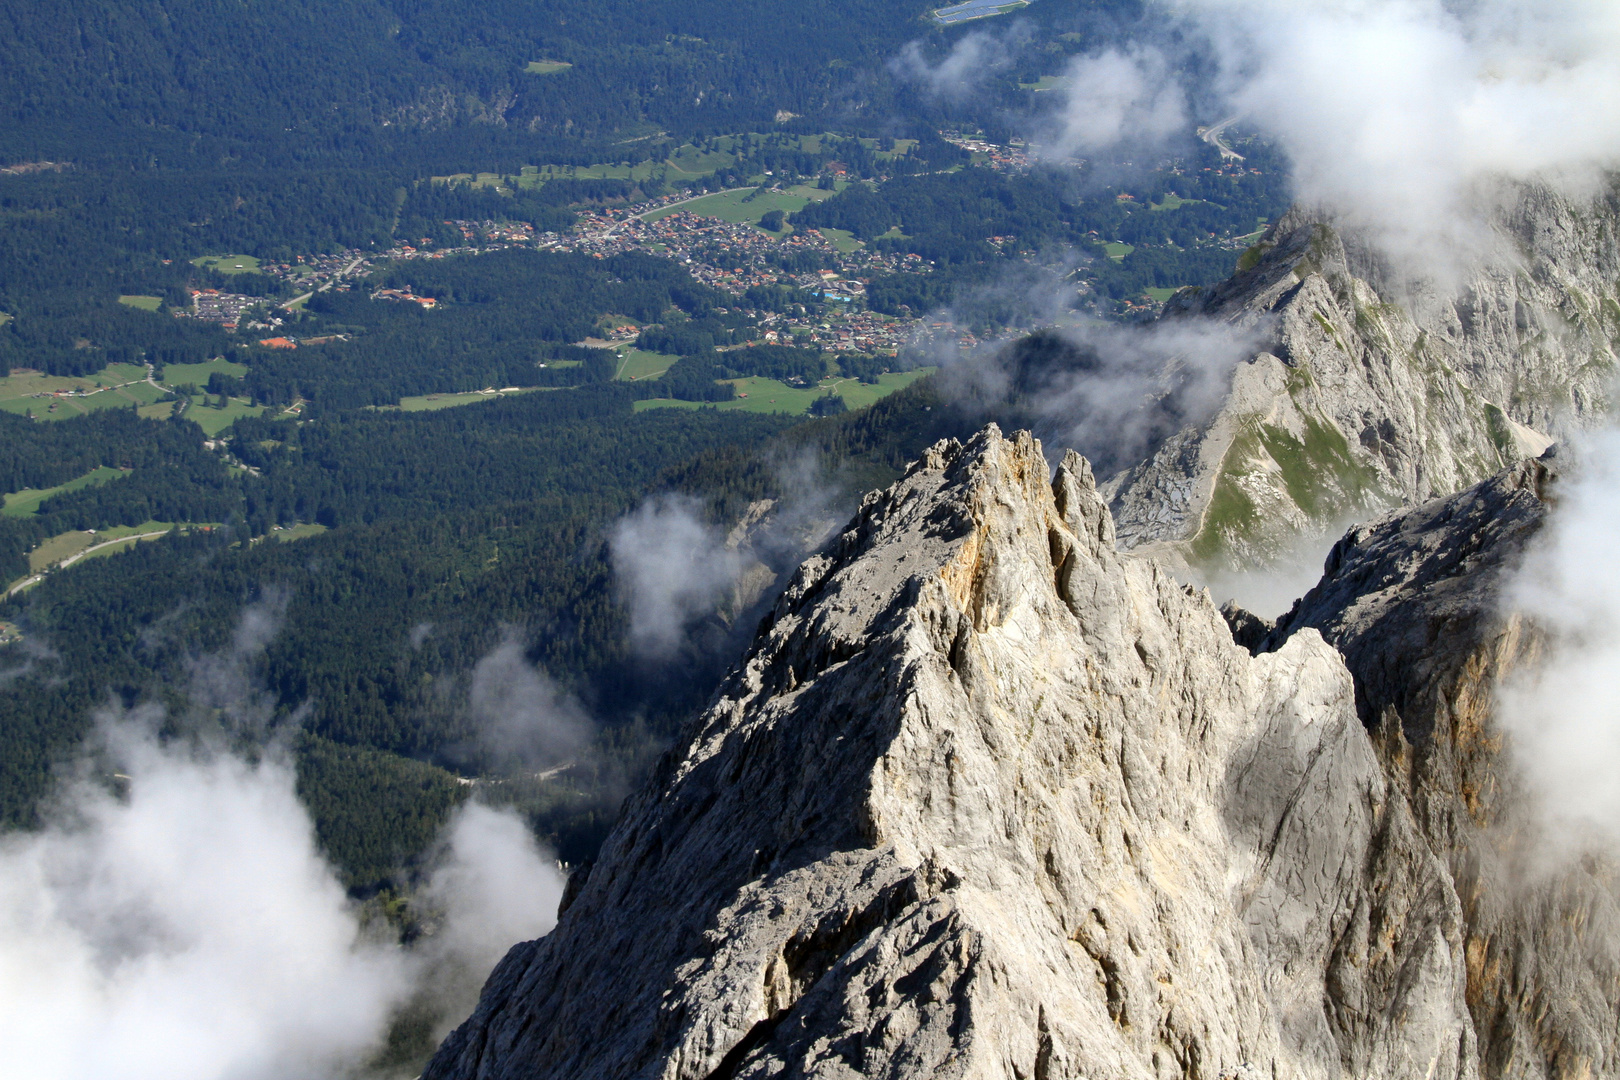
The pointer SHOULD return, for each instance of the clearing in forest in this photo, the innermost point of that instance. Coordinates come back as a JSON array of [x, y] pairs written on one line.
[[57, 397], [25, 503], [228, 264], [769, 396]]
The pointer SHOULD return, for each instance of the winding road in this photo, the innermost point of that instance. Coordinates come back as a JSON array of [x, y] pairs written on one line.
[[76, 556], [335, 278], [1212, 135]]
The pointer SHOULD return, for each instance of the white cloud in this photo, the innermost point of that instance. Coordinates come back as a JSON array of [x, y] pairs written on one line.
[[495, 886], [175, 919], [1117, 389], [1403, 116], [520, 713], [1564, 713], [673, 569], [962, 71], [187, 930], [1119, 100]]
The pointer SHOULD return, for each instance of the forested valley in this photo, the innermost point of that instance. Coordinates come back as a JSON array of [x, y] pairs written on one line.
[[414, 205]]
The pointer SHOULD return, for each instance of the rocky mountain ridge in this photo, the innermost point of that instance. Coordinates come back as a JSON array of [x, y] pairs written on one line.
[[1414, 603], [989, 798], [1372, 392]]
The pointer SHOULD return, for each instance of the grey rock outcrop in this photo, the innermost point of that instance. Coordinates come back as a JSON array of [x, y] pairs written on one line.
[[987, 798], [1373, 395], [1414, 603]]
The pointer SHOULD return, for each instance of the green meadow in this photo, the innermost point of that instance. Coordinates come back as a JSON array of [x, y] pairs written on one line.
[[769, 396], [25, 503], [228, 264], [47, 396]]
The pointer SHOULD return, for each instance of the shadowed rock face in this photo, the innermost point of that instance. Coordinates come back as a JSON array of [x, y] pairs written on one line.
[[988, 799], [1414, 603], [1371, 394]]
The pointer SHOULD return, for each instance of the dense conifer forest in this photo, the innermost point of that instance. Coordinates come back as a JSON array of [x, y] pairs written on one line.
[[394, 551]]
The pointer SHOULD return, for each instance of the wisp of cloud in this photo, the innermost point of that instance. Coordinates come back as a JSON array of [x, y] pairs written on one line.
[[1402, 118], [519, 713], [174, 917], [1564, 713], [673, 569], [187, 930], [1117, 101], [961, 72], [1110, 391]]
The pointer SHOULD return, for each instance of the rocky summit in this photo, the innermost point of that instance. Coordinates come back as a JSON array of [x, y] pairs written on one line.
[[1371, 391], [989, 798]]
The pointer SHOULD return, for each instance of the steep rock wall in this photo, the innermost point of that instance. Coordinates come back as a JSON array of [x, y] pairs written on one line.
[[989, 799], [1415, 603], [1372, 395]]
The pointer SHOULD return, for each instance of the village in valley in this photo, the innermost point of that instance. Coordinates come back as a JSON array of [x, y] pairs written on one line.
[[729, 255], [715, 236]]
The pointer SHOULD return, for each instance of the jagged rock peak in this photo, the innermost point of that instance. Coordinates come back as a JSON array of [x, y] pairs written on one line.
[[987, 798], [1369, 394], [1415, 603]]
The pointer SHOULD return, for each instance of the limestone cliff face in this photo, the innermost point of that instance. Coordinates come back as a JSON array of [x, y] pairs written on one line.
[[987, 798], [1370, 396], [1414, 603]]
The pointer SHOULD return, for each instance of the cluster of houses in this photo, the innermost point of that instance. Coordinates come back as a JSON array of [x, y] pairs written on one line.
[[405, 296], [1010, 158], [211, 305]]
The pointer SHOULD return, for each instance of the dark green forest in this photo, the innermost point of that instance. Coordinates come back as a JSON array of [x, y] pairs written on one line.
[[1180, 219], [465, 520], [136, 137], [449, 531]]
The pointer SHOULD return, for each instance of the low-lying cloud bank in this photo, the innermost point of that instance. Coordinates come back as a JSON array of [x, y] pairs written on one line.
[[174, 919], [1401, 117]]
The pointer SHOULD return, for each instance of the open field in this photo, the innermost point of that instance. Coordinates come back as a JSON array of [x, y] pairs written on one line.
[[213, 419], [1255, 236], [1045, 82], [686, 162], [21, 393], [302, 531], [145, 303], [1118, 251], [429, 402], [859, 395], [197, 374], [25, 503], [811, 193], [546, 67], [69, 544], [770, 396], [640, 364], [842, 239], [1160, 295], [740, 206], [228, 264]]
